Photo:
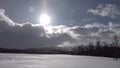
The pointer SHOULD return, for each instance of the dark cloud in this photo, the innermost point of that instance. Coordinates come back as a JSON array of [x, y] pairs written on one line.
[[27, 35]]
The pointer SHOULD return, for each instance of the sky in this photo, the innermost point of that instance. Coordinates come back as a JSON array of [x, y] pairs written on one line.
[[73, 22]]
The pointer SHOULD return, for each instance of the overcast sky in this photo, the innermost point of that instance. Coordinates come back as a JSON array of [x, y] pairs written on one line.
[[73, 22]]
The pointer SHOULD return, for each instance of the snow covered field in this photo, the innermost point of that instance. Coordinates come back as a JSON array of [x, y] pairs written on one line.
[[55, 61]]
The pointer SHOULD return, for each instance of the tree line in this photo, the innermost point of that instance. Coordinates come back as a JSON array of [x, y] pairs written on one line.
[[99, 49]]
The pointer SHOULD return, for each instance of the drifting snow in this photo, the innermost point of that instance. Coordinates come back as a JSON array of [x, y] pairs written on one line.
[[55, 61]]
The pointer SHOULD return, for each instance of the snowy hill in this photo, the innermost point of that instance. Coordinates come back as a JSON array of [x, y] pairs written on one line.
[[55, 61]]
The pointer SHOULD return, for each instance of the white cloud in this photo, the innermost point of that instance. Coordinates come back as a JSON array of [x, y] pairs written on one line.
[[5, 18], [108, 10], [31, 9], [28, 35], [2, 10]]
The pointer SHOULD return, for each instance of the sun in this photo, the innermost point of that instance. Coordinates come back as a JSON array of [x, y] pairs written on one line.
[[44, 19]]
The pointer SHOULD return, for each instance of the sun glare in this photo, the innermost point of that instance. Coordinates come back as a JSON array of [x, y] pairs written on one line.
[[44, 19]]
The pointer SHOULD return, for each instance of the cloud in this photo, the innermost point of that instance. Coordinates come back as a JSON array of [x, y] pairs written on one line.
[[28, 35], [31, 9], [5, 18], [92, 32], [108, 10], [2, 10]]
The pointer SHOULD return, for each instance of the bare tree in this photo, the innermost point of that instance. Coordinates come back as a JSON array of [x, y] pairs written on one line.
[[115, 41], [116, 45]]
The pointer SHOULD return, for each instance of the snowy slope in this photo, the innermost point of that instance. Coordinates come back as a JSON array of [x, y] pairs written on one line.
[[55, 61]]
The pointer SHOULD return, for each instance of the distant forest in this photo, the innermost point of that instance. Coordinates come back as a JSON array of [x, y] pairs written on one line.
[[98, 48]]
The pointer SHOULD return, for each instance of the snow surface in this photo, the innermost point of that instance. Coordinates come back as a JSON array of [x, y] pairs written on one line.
[[55, 61]]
